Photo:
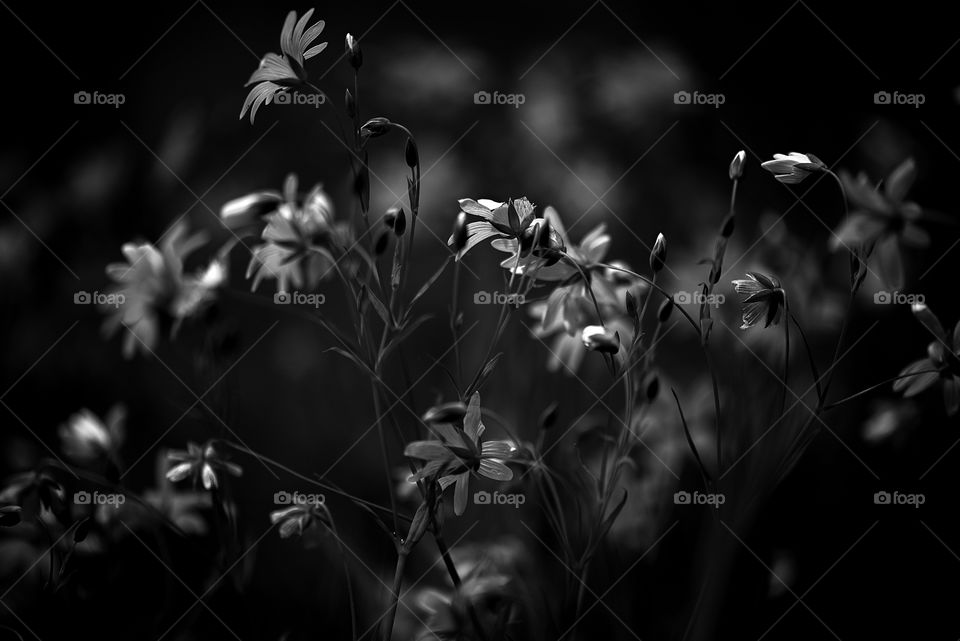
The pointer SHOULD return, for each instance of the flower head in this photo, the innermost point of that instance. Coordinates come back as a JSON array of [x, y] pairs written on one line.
[[151, 288], [299, 518], [86, 438], [942, 363], [882, 219], [280, 72], [792, 168], [200, 463], [516, 223], [765, 299], [461, 452]]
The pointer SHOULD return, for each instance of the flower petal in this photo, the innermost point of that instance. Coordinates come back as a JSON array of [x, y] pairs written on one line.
[[471, 421], [460, 493], [495, 470], [912, 383]]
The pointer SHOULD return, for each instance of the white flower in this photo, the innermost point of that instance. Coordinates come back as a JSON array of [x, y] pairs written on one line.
[[86, 438], [794, 167]]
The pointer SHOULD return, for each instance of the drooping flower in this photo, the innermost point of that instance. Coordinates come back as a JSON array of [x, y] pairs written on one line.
[[514, 220], [942, 363], [151, 289], [281, 72], [85, 438], [882, 220], [765, 299], [461, 452], [301, 238], [299, 518], [200, 463], [793, 168]]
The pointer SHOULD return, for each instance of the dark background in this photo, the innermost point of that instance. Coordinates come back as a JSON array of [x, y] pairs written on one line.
[[78, 181]]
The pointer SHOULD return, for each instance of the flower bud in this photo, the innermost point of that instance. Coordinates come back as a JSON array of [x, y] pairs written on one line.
[[600, 339], [354, 54], [653, 387], [736, 165], [390, 218], [666, 308], [400, 224], [658, 255], [411, 154], [460, 236], [445, 413], [375, 127]]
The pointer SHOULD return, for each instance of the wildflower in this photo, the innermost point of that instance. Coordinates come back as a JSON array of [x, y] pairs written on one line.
[[794, 167], [280, 72], [883, 220], [300, 237], [152, 288], [658, 255], [201, 463], [514, 220], [765, 299], [354, 53], [736, 165], [86, 438], [941, 364], [299, 518], [460, 452], [584, 255]]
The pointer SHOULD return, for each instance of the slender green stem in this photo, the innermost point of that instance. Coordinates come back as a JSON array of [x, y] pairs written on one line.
[[813, 365], [395, 595], [786, 360], [878, 385]]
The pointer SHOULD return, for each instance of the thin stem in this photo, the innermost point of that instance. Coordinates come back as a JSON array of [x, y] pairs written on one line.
[[395, 595], [813, 366], [881, 384], [786, 361]]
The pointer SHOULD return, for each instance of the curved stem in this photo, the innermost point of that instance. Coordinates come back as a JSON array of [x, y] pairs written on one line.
[[881, 384], [690, 320]]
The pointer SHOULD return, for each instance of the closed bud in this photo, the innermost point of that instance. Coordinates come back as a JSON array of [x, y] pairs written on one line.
[[390, 218], [600, 339], [736, 165], [375, 127], [653, 387], [354, 54], [728, 225], [351, 104], [381, 245], [400, 224], [631, 303], [411, 154], [658, 255], [666, 308], [460, 235]]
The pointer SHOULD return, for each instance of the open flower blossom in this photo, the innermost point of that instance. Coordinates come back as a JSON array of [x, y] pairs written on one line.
[[794, 167], [598, 338], [280, 72], [882, 220], [300, 236], [85, 438], [765, 299], [942, 363], [514, 222], [297, 519], [460, 453], [151, 288], [200, 463]]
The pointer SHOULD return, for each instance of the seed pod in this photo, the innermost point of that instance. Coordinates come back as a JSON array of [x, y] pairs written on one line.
[[460, 236], [658, 255], [354, 54], [736, 165], [351, 104], [411, 154], [666, 308]]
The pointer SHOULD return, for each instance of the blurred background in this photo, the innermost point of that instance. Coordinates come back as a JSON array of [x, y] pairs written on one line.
[[595, 130]]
